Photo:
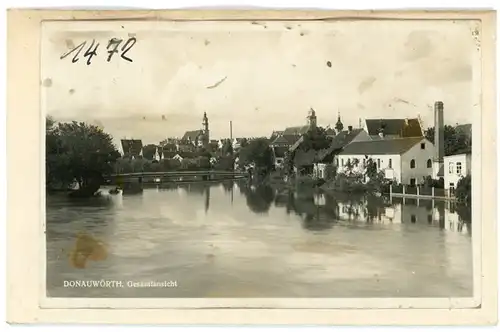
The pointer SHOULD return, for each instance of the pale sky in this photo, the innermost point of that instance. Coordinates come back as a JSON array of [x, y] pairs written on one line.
[[274, 73]]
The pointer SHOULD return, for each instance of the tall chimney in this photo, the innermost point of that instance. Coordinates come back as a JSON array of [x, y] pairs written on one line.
[[438, 139]]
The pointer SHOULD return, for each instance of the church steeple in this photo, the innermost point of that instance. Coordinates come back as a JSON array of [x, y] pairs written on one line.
[[312, 120], [339, 126], [206, 131]]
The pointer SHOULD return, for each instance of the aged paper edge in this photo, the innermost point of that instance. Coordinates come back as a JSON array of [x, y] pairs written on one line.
[[24, 245]]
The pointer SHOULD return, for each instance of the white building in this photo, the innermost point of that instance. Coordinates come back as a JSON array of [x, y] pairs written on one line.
[[403, 160], [456, 167]]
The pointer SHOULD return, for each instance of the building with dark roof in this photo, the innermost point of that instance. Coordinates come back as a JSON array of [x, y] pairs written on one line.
[[403, 160], [393, 128], [131, 147], [291, 135], [199, 137]]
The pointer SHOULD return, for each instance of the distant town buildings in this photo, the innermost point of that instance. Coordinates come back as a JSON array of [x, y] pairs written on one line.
[[198, 137], [398, 147]]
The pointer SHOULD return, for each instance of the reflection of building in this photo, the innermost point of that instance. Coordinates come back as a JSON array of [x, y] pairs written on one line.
[[456, 167], [404, 160]]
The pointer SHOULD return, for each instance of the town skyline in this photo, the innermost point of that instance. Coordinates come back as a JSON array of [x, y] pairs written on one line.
[[153, 130], [263, 77]]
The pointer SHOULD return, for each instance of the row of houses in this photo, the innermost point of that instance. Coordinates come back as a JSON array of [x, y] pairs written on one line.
[[397, 146]]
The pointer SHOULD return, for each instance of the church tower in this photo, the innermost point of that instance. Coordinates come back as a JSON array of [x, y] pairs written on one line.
[[312, 120], [206, 131], [339, 126]]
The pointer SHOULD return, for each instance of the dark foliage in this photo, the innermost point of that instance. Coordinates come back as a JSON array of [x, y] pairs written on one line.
[[463, 191], [455, 141], [316, 139], [78, 151], [259, 153]]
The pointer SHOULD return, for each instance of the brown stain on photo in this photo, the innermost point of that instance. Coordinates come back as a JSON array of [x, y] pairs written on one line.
[[87, 248]]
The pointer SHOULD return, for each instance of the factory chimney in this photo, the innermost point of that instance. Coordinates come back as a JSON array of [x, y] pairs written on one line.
[[438, 140]]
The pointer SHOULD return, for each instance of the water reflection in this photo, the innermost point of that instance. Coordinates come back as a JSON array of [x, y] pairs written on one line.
[[229, 239]]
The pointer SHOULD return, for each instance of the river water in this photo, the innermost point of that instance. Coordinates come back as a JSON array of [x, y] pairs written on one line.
[[229, 240]]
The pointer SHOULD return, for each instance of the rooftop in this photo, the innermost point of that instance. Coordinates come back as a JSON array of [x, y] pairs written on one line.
[[297, 131], [395, 127], [192, 135], [390, 146]]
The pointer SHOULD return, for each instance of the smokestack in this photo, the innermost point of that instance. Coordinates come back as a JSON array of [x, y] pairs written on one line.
[[439, 131], [438, 138], [231, 130]]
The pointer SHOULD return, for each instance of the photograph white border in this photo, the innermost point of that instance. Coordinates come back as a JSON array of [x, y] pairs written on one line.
[[24, 218]]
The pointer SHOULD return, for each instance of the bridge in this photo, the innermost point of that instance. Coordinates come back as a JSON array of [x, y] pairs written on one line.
[[174, 176]]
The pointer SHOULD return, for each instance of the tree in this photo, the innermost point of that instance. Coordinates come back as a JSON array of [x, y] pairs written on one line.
[[259, 153], [463, 191], [227, 147], [57, 174], [455, 141], [148, 151], [84, 151], [330, 172], [244, 142], [202, 152], [371, 168], [316, 139]]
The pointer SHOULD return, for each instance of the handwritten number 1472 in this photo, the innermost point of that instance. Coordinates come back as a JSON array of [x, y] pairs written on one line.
[[112, 48]]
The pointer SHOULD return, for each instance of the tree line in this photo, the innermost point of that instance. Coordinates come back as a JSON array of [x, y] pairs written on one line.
[[77, 151]]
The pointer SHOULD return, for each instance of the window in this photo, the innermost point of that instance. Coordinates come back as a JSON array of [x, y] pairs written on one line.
[[450, 168], [378, 163], [422, 146], [390, 163], [429, 163], [342, 161], [459, 168], [412, 163], [412, 182], [336, 161]]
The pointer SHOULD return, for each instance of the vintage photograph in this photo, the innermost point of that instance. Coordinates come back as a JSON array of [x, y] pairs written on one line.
[[259, 159]]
